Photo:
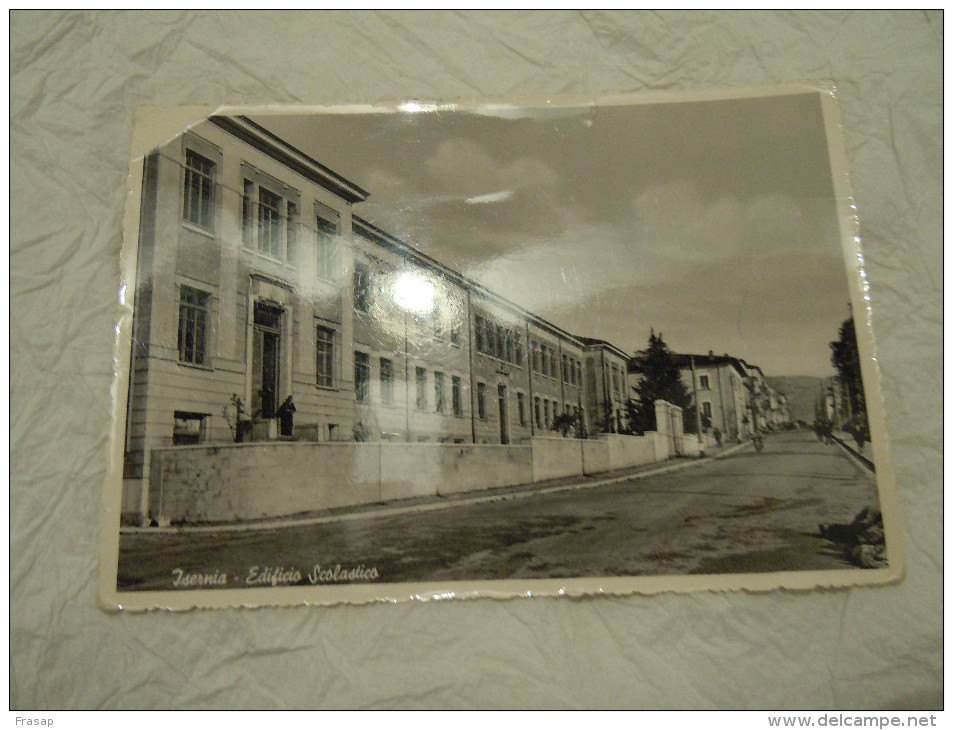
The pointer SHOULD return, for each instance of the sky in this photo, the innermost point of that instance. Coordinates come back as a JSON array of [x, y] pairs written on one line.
[[712, 222]]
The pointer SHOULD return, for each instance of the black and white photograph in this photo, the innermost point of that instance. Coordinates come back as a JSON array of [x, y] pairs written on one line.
[[534, 347]]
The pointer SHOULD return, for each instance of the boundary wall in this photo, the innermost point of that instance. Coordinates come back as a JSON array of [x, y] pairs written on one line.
[[235, 482]]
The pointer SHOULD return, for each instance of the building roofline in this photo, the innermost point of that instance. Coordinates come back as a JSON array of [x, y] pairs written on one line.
[[684, 360], [736, 362], [594, 342], [264, 141]]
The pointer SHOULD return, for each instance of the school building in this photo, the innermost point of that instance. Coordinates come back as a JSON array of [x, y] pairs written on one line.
[[256, 283]]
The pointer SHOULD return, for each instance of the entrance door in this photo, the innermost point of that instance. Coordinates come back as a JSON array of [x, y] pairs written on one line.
[[504, 430], [266, 360]]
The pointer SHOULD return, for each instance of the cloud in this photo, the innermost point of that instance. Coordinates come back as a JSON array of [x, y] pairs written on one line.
[[465, 167], [676, 215], [741, 263], [497, 197], [463, 204]]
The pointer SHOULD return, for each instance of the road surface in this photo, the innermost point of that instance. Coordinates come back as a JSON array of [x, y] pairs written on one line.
[[748, 512]]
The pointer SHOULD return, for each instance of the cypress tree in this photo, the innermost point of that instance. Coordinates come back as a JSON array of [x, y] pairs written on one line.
[[660, 381]]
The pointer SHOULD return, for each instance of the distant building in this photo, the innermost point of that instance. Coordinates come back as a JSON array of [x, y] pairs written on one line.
[[768, 407], [721, 386]]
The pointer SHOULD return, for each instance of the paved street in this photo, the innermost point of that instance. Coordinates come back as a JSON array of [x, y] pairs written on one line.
[[748, 512]]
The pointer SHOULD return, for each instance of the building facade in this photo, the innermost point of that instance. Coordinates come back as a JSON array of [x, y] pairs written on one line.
[[261, 298], [732, 395], [769, 410], [607, 386], [718, 385]]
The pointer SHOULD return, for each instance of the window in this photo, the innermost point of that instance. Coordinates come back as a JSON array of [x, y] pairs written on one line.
[[521, 407], [189, 428], [193, 326], [703, 382], [272, 230], [291, 235], [438, 392], [269, 217], [478, 332], [545, 359], [266, 316], [325, 357], [457, 394], [706, 409], [535, 348], [248, 207], [495, 340], [546, 412], [198, 196], [565, 361], [537, 412], [326, 231], [387, 381], [362, 287], [439, 328], [362, 376], [421, 389], [481, 400]]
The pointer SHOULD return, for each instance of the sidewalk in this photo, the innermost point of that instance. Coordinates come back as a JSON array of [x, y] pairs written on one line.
[[427, 504]]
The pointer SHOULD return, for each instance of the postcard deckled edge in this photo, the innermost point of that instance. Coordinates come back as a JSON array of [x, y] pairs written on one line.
[[156, 126]]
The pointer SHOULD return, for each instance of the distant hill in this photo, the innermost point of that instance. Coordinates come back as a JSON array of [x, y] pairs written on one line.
[[801, 392]]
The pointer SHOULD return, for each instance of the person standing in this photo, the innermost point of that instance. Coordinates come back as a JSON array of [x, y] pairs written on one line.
[[286, 417]]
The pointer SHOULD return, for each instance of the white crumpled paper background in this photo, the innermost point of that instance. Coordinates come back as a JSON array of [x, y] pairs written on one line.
[[75, 80]]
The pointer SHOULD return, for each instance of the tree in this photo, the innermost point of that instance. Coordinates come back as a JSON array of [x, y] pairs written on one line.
[[567, 422], [660, 381], [845, 358]]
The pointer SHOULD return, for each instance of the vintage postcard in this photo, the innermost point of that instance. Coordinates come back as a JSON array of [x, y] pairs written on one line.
[[524, 348]]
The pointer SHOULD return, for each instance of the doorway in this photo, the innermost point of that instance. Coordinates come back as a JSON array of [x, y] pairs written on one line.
[[266, 360], [504, 426]]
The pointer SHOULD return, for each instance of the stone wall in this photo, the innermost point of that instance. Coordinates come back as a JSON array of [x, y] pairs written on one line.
[[692, 447], [668, 421], [254, 481], [416, 470], [595, 456], [232, 482], [556, 457], [629, 451]]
